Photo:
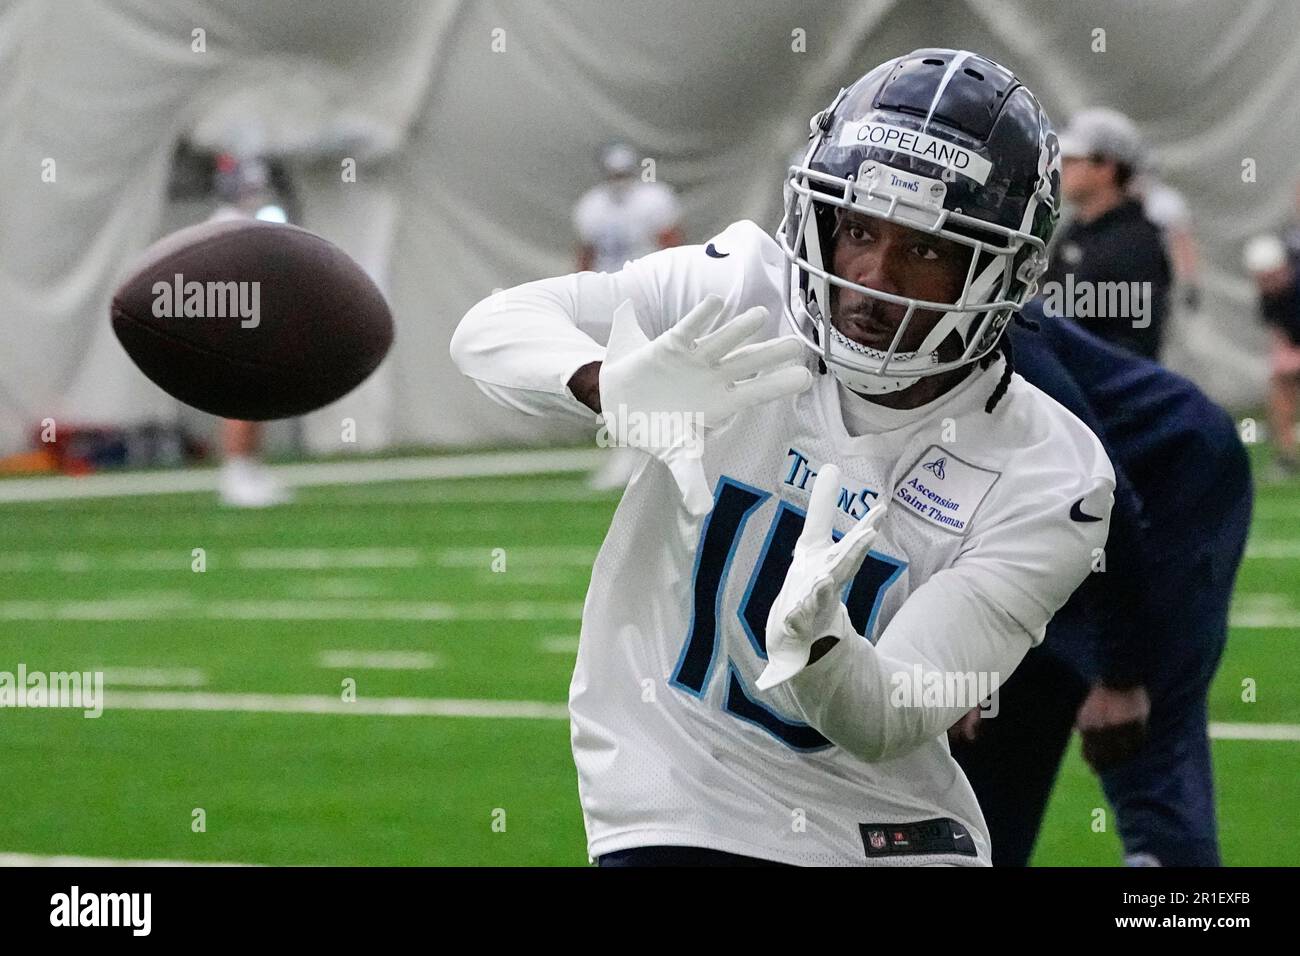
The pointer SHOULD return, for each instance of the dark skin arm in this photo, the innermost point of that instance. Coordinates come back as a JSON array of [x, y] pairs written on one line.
[[585, 386]]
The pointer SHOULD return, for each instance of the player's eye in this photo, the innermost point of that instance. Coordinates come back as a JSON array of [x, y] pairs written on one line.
[[858, 232], [926, 251]]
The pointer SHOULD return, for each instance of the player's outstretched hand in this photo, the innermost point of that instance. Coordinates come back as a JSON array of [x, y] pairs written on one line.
[[660, 395], [809, 606]]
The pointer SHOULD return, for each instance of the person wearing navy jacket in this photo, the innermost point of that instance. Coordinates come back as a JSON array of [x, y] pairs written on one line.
[[1130, 657]]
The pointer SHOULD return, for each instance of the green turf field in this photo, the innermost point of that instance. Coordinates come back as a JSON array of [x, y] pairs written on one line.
[[391, 585]]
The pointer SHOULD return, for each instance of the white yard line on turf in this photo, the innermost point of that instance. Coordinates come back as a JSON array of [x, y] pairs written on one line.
[[560, 645], [135, 607], [1219, 731], [552, 490], [320, 558], [1253, 612], [313, 559], [154, 677], [379, 660], [492, 464], [580, 555], [319, 704], [183, 607], [1257, 600], [78, 562], [449, 707], [34, 859], [1265, 620], [1263, 610], [1282, 550], [391, 611], [297, 559]]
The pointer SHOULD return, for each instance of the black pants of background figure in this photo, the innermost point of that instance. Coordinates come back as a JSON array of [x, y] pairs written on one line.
[[1164, 797]]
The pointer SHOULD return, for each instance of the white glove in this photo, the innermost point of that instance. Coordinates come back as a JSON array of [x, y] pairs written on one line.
[[659, 395], [809, 606]]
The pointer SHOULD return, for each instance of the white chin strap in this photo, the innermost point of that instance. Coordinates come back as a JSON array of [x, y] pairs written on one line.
[[865, 382]]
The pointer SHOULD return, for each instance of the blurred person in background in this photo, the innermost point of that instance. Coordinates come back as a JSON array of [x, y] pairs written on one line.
[[248, 187], [1166, 208], [1109, 239], [1277, 282], [1129, 659], [623, 218], [1292, 234]]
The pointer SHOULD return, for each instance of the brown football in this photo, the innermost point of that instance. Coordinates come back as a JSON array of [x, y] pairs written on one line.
[[252, 320]]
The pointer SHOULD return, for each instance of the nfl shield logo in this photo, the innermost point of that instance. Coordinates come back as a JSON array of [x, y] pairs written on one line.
[[877, 839]]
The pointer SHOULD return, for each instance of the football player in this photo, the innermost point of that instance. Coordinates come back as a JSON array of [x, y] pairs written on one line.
[[827, 517]]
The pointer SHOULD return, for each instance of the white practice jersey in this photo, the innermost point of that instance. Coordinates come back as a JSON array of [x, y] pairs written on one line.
[[994, 520], [623, 221]]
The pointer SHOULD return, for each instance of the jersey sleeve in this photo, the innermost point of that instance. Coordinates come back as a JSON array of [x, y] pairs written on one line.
[[978, 617], [522, 345]]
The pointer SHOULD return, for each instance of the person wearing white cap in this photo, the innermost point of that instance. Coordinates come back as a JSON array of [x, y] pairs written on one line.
[[1110, 246], [1277, 279]]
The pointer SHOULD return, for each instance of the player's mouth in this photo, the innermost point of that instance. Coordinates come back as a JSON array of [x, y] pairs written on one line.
[[869, 326]]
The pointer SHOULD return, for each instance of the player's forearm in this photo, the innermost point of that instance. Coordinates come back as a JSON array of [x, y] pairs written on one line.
[[937, 659], [524, 350], [585, 385]]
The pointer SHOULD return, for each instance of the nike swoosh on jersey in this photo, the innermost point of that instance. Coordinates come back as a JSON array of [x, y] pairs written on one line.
[[712, 252], [1077, 513]]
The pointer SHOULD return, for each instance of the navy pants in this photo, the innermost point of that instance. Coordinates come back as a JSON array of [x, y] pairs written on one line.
[[679, 856], [1163, 798]]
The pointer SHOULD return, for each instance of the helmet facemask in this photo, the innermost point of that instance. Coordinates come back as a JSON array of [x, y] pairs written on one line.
[[1003, 270]]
